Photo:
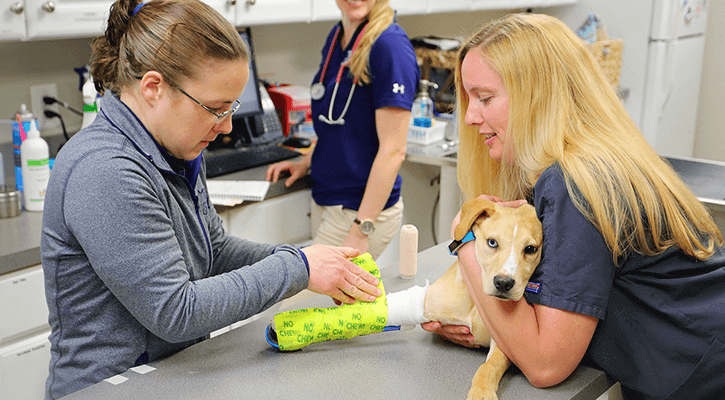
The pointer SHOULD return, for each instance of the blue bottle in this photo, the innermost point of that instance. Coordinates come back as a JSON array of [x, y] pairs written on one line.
[[23, 119]]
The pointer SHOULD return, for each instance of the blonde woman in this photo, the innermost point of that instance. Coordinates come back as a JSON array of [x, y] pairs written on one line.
[[631, 276], [361, 100], [136, 261]]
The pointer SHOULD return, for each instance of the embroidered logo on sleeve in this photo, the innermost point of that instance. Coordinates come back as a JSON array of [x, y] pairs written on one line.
[[398, 88], [533, 287]]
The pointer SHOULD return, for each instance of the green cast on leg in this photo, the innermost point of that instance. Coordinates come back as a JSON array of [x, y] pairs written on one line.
[[299, 328]]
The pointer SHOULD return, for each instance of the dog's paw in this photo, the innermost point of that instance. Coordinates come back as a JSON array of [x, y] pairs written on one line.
[[477, 393]]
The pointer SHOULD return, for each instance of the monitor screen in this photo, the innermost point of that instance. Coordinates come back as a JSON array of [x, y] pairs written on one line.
[[251, 104]]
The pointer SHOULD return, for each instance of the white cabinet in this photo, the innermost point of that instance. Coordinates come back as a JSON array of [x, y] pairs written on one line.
[[438, 6], [325, 10], [24, 368], [22, 303], [66, 18], [260, 12], [12, 19], [282, 219], [24, 330]]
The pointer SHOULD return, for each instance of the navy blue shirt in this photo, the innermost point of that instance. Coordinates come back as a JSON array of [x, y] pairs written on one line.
[[344, 154], [661, 329]]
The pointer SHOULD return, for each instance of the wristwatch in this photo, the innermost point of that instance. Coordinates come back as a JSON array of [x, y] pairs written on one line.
[[366, 226], [456, 244]]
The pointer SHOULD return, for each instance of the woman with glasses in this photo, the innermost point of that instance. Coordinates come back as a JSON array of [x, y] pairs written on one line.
[[136, 262], [361, 101]]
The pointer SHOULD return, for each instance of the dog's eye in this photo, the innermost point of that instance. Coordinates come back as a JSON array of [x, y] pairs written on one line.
[[492, 243], [530, 250]]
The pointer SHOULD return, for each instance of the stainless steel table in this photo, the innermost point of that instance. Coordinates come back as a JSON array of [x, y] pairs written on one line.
[[412, 364]]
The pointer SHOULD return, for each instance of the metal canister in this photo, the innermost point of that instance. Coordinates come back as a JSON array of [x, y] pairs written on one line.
[[22, 118], [9, 202]]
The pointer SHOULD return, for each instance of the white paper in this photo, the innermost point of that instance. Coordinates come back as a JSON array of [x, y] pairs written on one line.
[[116, 380], [143, 369], [237, 190]]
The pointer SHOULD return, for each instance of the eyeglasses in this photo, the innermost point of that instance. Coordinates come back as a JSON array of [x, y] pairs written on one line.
[[219, 117]]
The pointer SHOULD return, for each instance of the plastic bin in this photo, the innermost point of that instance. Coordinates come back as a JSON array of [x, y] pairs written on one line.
[[420, 135]]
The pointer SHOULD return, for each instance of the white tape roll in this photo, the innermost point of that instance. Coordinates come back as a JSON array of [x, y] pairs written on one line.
[[408, 262]]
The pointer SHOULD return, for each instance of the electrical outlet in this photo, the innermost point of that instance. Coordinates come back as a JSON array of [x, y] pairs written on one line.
[[37, 106]]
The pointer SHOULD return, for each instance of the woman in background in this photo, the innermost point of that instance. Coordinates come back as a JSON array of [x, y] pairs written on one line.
[[137, 265], [632, 269], [361, 123]]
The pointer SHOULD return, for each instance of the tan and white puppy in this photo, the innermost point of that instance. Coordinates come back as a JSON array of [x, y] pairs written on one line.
[[507, 246]]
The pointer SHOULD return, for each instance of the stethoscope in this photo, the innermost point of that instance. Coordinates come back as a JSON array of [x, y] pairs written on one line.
[[317, 91]]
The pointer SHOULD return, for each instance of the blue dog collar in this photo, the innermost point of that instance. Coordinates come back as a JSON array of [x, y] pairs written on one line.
[[456, 244]]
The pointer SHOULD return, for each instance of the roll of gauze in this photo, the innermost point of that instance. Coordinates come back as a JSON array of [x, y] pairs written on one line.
[[407, 307], [408, 262]]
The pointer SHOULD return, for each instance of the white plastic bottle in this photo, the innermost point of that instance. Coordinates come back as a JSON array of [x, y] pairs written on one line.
[[90, 103], [34, 157]]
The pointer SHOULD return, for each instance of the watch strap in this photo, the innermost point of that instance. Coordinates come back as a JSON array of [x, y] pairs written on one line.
[[456, 244]]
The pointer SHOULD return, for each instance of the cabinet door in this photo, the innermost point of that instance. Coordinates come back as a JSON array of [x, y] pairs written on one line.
[[328, 10], [437, 6], [22, 302], [283, 219], [259, 12], [325, 10], [12, 19], [24, 368], [66, 18]]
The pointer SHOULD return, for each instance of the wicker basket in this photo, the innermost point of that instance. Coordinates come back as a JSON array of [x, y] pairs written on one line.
[[608, 54]]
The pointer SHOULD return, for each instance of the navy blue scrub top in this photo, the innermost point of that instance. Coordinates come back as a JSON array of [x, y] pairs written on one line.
[[661, 329], [344, 154]]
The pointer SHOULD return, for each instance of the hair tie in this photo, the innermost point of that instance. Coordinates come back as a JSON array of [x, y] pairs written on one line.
[[138, 7]]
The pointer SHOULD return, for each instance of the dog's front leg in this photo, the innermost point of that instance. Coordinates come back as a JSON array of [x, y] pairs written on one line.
[[485, 381]]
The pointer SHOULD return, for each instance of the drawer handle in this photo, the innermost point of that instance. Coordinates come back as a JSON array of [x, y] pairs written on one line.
[[48, 6], [17, 8], [251, 2]]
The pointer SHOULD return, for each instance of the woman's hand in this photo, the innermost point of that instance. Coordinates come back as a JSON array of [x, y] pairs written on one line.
[[296, 169], [334, 275], [458, 334]]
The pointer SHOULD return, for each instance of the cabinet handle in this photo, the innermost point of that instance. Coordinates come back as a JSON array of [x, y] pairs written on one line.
[[48, 6], [17, 8], [232, 2], [251, 2]]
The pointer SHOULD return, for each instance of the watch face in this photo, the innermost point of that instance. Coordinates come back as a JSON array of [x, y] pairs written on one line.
[[367, 227]]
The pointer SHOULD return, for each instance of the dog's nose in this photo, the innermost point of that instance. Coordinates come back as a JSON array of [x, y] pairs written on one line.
[[503, 284]]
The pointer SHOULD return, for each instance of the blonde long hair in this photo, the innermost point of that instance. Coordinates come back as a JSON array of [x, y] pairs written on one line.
[[563, 110], [380, 18]]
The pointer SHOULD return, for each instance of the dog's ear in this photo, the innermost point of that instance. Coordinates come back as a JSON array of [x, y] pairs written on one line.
[[471, 210]]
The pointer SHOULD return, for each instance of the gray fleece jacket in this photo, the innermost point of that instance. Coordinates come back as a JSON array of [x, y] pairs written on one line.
[[137, 264]]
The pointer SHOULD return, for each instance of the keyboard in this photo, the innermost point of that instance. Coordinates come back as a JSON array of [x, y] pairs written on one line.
[[225, 161]]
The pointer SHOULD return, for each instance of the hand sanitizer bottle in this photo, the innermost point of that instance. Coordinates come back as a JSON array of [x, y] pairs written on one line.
[[34, 159], [422, 112]]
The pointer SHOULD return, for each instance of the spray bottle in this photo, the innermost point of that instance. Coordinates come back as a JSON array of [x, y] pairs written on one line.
[[90, 96], [34, 156], [24, 119], [422, 112]]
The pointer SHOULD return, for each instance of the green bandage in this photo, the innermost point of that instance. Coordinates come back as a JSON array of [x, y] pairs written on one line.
[[298, 328]]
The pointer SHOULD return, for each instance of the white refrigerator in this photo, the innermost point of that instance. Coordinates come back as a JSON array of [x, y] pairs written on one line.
[[672, 79]]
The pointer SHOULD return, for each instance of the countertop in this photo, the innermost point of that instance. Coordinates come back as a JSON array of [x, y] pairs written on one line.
[[411, 364], [20, 236]]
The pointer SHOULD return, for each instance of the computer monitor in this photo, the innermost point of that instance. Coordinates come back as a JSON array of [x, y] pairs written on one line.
[[250, 100], [247, 126]]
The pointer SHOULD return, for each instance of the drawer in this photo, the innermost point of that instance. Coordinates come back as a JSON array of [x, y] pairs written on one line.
[[22, 302], [24, 368]]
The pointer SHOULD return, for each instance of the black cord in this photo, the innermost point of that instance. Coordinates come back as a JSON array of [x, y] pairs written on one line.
[[52, 100], [53, 114]]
